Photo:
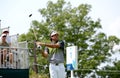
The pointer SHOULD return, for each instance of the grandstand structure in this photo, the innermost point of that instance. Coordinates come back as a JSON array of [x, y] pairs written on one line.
[[14, 60]]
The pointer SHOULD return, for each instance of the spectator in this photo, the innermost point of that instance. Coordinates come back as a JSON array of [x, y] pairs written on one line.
[[6, 31], [3, 41], [6, 55]]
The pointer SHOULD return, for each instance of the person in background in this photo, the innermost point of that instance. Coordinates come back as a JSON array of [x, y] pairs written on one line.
[[6, 54], [3, 41], [6, 31], [55, 53]]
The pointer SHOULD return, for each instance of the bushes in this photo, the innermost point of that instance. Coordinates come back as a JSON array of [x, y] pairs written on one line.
[[34, 75]]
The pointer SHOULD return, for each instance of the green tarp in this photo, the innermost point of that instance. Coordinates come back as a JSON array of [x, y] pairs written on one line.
[[14, 73]]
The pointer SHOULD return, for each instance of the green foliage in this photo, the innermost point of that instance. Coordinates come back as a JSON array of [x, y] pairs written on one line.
[[111, 71], [76, 27]]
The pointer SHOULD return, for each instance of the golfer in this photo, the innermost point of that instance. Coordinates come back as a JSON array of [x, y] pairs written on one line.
[[55, 54]]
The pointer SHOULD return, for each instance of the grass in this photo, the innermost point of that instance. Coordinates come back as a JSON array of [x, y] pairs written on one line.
[[34, 75]]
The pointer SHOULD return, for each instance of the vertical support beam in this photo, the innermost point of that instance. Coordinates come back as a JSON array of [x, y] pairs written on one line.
[[0, 28], [72, 74], [35, 58], [0, 24]]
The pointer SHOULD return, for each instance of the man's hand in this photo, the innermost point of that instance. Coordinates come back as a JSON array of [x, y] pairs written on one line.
[[40, 43], [40, 46]]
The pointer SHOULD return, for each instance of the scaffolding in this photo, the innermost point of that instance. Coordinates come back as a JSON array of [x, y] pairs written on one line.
[[14, 60]]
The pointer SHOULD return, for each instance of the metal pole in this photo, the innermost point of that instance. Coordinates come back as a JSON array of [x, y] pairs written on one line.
[[0, 28], [72, 74], [0, 24], [35, 58]]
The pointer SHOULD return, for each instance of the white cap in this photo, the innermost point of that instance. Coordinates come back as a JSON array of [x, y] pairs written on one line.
[[53, 33], [5, 30], [3, 35]]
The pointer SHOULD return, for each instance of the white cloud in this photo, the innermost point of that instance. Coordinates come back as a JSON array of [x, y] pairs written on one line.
[[114, 28]]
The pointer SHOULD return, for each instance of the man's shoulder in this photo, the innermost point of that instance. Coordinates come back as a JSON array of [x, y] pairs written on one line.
[[61, 41]]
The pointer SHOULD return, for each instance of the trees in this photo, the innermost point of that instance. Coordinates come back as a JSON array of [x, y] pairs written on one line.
[[76, 27]]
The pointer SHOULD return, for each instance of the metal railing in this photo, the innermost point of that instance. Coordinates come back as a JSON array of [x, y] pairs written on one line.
[[15, 58]]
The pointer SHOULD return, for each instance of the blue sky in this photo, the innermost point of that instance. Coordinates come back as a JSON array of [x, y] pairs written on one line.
[[14, 13]]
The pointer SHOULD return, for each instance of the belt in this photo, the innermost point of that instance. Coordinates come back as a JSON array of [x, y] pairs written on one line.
[[56, 64]]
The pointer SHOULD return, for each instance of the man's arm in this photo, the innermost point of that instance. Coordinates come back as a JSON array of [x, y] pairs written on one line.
[[44, 52], [57, 45]]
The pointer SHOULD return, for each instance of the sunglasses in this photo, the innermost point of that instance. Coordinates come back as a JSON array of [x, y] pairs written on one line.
[[54, 35], [4, 36], [6, 32]]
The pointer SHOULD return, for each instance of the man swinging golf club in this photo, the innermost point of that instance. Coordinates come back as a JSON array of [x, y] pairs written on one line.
[[55, 53]]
